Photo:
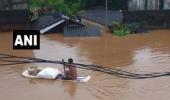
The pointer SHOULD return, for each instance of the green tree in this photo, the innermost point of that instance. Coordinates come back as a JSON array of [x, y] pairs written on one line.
[[71, 7]]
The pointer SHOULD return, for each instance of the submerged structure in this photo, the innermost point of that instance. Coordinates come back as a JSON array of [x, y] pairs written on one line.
[[152, 12], [59, 23], [98, 15]]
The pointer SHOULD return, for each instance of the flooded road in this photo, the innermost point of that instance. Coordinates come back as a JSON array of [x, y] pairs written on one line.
[[138, 53]]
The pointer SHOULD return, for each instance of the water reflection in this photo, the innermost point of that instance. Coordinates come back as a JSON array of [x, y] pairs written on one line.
[[70, 87]]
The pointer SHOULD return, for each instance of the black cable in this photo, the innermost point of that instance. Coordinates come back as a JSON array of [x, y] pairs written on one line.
[[115, 72]]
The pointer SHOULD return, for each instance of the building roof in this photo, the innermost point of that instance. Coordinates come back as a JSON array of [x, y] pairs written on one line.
[[99, 16], [52, 20], [47, 22]]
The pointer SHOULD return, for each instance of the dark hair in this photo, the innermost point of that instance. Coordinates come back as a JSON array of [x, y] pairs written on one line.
[[70, 60]]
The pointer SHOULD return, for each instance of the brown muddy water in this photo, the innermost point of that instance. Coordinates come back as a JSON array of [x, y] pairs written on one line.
[[148, 52]]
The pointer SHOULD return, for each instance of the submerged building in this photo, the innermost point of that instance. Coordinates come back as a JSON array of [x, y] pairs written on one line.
[[153, 12], [59, 23]]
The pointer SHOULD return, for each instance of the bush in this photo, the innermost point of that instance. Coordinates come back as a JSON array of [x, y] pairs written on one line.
[[120, 29]]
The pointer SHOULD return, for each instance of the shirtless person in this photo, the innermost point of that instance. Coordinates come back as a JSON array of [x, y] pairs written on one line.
[[70, 72]]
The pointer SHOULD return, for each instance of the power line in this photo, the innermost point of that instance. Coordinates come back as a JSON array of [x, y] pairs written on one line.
[[115, 72]]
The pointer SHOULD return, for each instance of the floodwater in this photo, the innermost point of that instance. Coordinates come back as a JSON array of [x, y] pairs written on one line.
[[148, 52]]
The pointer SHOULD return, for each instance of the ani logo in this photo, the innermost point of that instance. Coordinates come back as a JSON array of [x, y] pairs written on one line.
[[26, 39]]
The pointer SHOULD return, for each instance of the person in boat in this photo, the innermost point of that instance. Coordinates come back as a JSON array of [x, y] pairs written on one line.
[[70, 71]]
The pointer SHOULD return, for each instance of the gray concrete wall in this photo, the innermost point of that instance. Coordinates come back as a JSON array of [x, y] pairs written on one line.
[[143, 5], [157, 18], [167, 4]]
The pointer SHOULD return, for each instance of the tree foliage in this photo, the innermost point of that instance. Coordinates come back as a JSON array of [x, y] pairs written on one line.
[[71, 7], [68, 7], [120, 29]]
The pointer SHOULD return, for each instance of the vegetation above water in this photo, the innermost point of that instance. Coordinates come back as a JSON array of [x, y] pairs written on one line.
[[122, 29], [40, 7], [68, 7]]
